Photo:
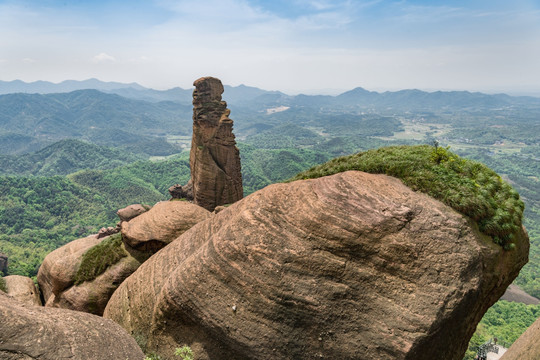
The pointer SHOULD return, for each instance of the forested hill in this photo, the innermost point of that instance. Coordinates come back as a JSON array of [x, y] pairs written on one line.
[[65, 157], [106, 119]]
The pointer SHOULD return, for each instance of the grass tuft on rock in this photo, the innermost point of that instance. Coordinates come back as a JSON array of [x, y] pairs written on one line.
[[468, 186], [3, 286], [99, 258]]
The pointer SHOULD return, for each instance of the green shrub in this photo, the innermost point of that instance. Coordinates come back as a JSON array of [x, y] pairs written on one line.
[[184, 352], [99, 258], [3, 286], [467, 186]]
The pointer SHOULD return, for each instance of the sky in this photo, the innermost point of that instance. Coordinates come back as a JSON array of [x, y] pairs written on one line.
[[295, 46]]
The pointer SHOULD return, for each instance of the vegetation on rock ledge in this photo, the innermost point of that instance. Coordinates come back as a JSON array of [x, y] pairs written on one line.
[[99, 258], [467, 186]]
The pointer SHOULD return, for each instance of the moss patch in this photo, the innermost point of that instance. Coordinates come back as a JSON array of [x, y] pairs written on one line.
[[99, 258], [3, 286], [467, 186]]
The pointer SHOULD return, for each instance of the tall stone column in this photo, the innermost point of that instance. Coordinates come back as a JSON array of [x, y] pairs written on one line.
[[216, 176]]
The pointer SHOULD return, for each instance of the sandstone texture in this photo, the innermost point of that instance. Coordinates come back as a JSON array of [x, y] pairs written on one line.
[[349, 266], [527, 347], [142, 235], [22, 289], [57, 277], [216, 177], [57, 272], [162, 224], [131, 211], [3, 263], [32, 332]]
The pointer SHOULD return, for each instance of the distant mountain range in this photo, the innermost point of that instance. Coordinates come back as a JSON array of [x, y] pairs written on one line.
[[256, 98], [132, 90], [33, 115]]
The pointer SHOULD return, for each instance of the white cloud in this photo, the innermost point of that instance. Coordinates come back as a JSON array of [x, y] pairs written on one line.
[[103, 58], [28, 61]]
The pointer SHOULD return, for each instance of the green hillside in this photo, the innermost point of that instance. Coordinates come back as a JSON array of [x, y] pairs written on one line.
[[65, 157], [90, 115]]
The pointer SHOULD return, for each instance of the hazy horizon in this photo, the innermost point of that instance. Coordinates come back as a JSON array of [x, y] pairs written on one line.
[[331, 92], [296, 46]]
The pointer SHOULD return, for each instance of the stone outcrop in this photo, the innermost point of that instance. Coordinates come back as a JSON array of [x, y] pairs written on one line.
[[22, 289], [216, 177], [178, 191], [108, 231], [32, 332], [349, 266], [141, 236], [3, 263], [162, 224], [527, 346], [58, 273], [131, 212]]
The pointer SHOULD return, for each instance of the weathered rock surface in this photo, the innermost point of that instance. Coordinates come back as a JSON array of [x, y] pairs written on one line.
[[162, 224], [108, 231], [349, 266], [57, 275], [527, 346], [32, 332], [216, 176], [178, 191], [142, 235], [57, 272], [131, 211], [22, 289], [3, 263]]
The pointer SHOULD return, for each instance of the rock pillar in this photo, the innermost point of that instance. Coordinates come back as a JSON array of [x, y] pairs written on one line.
[[216, 175]]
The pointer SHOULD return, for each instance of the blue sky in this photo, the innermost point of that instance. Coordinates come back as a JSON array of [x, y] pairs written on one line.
[[311, 46]]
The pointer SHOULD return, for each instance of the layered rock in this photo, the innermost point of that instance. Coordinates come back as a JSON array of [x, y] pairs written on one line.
[[22, 289], [162, 224], [32, 332], [527, 346], [216, 177], [346, 266], [3, 263]]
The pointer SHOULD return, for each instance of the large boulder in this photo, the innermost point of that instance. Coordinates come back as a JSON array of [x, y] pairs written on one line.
[[349, 266], [23, 289], [69, 277], [83, 274], [216, 177], [162, 224], [57, 272], [32, 332], [527, 346]]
